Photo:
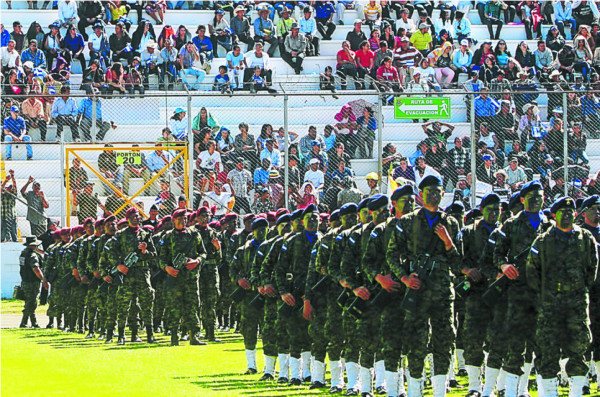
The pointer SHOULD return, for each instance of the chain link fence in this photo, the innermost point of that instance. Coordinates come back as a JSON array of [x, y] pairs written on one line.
[[257, 152]]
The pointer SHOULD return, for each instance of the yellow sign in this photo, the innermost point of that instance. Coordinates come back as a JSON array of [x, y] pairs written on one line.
[[129, 158]]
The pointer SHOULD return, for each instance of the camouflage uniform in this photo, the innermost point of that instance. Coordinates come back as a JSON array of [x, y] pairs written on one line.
[[415, 236], [182, 291], [158, 279], [28, 260], [110, 296], [80, 290], [69, 304], [561, 268], [52, 273], [595, 307], [95, 299], [225, 285], [209, 281]]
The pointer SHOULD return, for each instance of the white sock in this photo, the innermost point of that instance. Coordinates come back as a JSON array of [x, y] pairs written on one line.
[[474, 377], [414, 387], [352, 372], [294, 368], [501, 385], [318, 372], [337, 374], [460, 355], [391, 381], [438, 384], [451, 374], [593, 370], [380, 374], [491, 374], [550, 387], [576, 386], [524, 379], [366, 380], [270, 364], [512, 385], [284, 365], [540, 385], [597, 368], [401, 388], [305, 357], [251, 358]]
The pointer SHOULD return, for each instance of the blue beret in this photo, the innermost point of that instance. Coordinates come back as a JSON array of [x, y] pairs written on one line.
[[259, 222], [296, 215], [488, 199], [472, 215], [349, 208], [514, 200], [364, 203], [283, 219], [403, 191], [561, 203], [181, 212], [377, 201], [335, 216], [309, 210], [530, 187], [430, 180], [588, 202], [455, 207]]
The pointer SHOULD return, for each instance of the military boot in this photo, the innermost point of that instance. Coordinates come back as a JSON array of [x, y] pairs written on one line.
[[150, 335], [174, 339], [33, 320], [91, 333], [121, 340], [24, 321], [210, 335], [59, 323], [194, 341], [134, 335], [50, 323], [109, 335]]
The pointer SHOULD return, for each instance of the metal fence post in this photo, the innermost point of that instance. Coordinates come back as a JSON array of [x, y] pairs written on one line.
[[287, 149], [565, 144], [380, 139], [94, 116], [190, 151], [473, 191]]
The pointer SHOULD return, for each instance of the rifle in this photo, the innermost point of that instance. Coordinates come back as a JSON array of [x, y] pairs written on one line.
[[356, 308], [178, 264], [498, 287], [286, 310], [380, 297], [423, 268], [237, 295], [43, 296], [51, 275], [116, 275], [66, 281], [258, 301], [320, 286]]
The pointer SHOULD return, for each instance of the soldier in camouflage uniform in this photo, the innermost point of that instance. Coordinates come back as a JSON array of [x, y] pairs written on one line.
[[317, 298], [72, 291], [477, 254], [80, 291], [159, 276], [51, 272], [290, 278], [88, 266], [134, 240], [377, 270], [30, 269], [262, 272], [251, 316], [431, 232], [514, 237], [209, 273], [561, 268], [182, 281], [108, 298], [225, 285], [353, 269]]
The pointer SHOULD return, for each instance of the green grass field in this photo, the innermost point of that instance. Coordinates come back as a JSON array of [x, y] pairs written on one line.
[[56, 363]]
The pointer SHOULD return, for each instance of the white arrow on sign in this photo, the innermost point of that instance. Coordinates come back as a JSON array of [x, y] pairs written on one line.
[[404, 107]]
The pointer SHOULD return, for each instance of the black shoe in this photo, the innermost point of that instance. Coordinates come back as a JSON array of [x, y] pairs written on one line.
[[121, 341], [381, 390], [308, 379], [49, 326], [586, 391], [317, 385], [453, 383], [197, 342], [35, 325], [295, 382], [250, 371], [90, 335], [352, 392], [109, 339], [365, 394], [501, 393], [335, 390], [282, 380], [22, 325], [462, 372], [266, 377], [473, 393]]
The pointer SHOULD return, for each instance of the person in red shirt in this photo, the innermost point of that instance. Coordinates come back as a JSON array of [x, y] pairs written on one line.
[[365, 61], [346, 65], [388, 77]]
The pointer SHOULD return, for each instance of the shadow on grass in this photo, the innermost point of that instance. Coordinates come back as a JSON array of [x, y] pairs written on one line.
[[247, 385]]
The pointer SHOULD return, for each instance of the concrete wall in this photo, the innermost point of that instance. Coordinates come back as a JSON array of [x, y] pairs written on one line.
[[9, 268]]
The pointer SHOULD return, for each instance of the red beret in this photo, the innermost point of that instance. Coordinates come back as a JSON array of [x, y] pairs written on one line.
[[149, 228], [261, 215], [99, 223], [132, 211], [56, 234], [65, 231], [166, 218], [324, 215], [282, 211], [249, 217], [214, 224], [111, 218], [88, 220], [180, 212], [202, 210], [271, 216], [230, 216]]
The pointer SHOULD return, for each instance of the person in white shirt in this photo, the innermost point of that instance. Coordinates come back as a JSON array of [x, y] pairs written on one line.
[[220, 198], [236, 64], [10, 56], [208, 165], [67, 12], [314, 175], [255, 58], [406, 23]]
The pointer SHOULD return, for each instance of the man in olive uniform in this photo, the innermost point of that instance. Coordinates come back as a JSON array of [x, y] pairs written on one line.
[[514, 237], [181, 256], [88, 266], [51, 272], [69, 264], [561, 268], [267, 290], [133, 242], [251, 315], [428, 231], [80, 291], [209, 273], [109, 297], [290, 278], [478, 315], [30, 269], [377, 270], [353, 269], [229, 222], [317, 298], [114, 202], [159, 276]]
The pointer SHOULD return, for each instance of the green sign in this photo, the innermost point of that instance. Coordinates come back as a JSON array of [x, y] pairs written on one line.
[[129, 158], [421, 108]]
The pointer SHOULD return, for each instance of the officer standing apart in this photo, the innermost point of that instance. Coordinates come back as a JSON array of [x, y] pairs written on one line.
[[561, 268], [427, 231], [30, 263]]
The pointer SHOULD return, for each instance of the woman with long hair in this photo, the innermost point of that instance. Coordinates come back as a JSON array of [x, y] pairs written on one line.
[[512, 69], [182, 36], [220, 32], [115, 77], [178, 124], [583, 57], [73, 46], [525, 58], [62, 70], [501, 53], [442, 64], [225, 144], [489, 70], [35, 32], [142, 35]]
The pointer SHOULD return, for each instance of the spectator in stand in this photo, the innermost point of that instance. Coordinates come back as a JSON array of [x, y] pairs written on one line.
[[220, 32], [462, 59], [208, 165], [341, 172], [422, 40], [36, 205], [240, 24], [4, 36], [93, 78], [367, 127], [18, 36], [487, 173], [90, 12], [156, 10], [314, 175], [142, 35], [133, 77], [73, 46], [462, 27], [516, 175], [590, 106], [492, 16], [35, 32], [388, 78], [563, 16], [245, 146], [240, 180], [316, 153], [525, 58], [115, 79], [264, 30], [481, 53], [531, 16], [499, 84], [67, 12], [372, 13], [138, 171], [555, 41], [225, 143], [489, 70], [85, 119], [9, 212], [271, 153], [406, 22], [356, 36], [441, 61], [325, 14], [262, 202], [308, 27], [346, 64], [347, 127], [99, 46], [566, 60], [404, 170], [167, 64], [582, 60], [485, 107], [365, 64], [190, 59], [578, 145], [107, 164], [336, 155], [120, 44], [118, 13], [294, 48], [11, 59], [114, 202], [15, 131], [78, 179], [179, 124], [179, 37], [32, 110], [406, 58], [544, 61], [261, 174], [150, 59], [258, 58], [284, 26], [35, 55], [306, 142]]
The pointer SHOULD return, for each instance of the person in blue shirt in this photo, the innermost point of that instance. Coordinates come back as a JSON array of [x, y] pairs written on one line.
[[4, 36], [15, 131], [221, 82], [64, 112], [203, 43], [485, 107], [73, 46], [324, 17], [85, 118], [33, 54], [308, 26], [589, 108], [261, 175], [264, 30], [367, 125]]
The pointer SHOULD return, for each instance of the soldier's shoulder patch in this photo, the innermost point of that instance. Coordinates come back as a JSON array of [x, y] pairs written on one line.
[[284, 247], [374, 234], [161, 242], [325, 246], [534, 250], [339, 237], [313, 251], [492, 241], [259, 252], [352, 241], [501, 233], [398, 227]]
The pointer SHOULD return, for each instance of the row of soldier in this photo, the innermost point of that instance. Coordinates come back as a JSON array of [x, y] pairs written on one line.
[[367, 292]]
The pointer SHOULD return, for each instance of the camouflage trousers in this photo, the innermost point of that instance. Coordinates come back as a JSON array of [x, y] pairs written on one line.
[[95, 308], [209, 295], [316, 328], [251, 318], [111, 307], [459, 321], [392, 323], [297, 330], [430, 329], [496, 334], [353, 342], [334, 328], [136, 287], [58, 301], [269, 328], [521, 316], [31, 289], [477, 319], [77, 304], [160, 295], [224, 302], [181, 306], [562, 332], [369, 334], [595, 321]]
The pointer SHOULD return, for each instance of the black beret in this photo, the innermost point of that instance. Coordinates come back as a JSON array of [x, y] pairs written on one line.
[[349, 208], [456, 207], [285, 218], [430, 180], [296, 215], [403, 191], [561, 203], [588, 202], [514, 200], [335, 216], [377, 201], [530, 187], [472, 215], [363, 204], [309, 210], [259, 222], [488, 199]]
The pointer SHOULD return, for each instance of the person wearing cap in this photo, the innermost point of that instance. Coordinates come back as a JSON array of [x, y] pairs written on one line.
[[462, 27], [90, 13], [308, 27], [561, 269], [18, 36], [30, 269], [428, 231], [294, 48], [240, 24], [290, 274], [98, 46], [15, 130], [515, 236], [515, 173], [220, 32], [406, 58], [421, 39], [264, 30], [182, 282], [355, 36], [36, 205]]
